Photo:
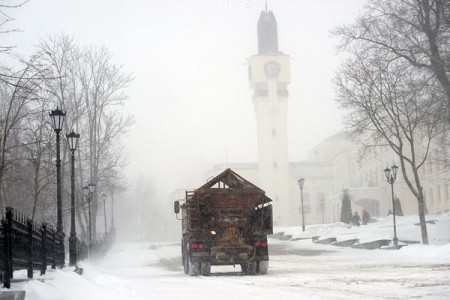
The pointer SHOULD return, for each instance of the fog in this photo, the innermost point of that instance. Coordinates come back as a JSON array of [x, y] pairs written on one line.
[[190, 94]]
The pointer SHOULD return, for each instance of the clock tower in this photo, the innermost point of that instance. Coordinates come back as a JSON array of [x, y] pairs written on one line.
[[269, 76]]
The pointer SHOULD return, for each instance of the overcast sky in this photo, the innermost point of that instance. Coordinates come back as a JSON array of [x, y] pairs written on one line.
[[190, 94]]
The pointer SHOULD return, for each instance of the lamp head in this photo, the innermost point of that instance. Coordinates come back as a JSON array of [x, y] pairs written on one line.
[[72, 139], [57, 116], [387, 172], [86, 191], [91, 188], [394, 170], [301, 182]]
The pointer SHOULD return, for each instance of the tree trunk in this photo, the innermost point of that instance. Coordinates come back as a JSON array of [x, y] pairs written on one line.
[[423, 224]]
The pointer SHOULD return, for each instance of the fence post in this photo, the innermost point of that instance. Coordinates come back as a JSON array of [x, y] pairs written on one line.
[[30, 248], [7, 231], [44, 248]]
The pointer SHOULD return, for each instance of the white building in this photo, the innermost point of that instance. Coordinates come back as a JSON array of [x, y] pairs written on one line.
[[333, 164]]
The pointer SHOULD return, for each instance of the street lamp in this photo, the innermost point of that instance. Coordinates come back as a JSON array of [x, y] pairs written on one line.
[[57, 116], [88, 191], [391, 177], [72, 139], [86, 195], [112, 211], [104, 210], [301, 182]]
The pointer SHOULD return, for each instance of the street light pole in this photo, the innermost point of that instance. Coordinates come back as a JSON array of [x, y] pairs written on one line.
[[301, 182], [88, 199], [112, 211], [391, 177], [104, 210], [57, 117], [91, 188], [72, 139]]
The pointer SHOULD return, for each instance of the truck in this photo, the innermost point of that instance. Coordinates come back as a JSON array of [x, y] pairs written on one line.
[[225, 222]]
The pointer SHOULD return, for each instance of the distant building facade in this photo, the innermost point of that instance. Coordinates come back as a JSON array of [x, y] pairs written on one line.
[[333, 165]]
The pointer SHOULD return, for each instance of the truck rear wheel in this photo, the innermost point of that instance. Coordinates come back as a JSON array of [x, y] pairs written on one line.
[[262, 267], [251, 268], [184, 256], [244, 268], [194, 268], [205, 268], [185, 264]]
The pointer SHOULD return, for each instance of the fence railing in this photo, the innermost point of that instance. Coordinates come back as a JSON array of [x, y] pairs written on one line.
[[26, 245]]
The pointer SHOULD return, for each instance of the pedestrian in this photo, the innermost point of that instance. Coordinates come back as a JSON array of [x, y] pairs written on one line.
[[356, 219], [365, 217]]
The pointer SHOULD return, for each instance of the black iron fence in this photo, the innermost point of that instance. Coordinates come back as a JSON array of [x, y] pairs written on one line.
[[26, 245]]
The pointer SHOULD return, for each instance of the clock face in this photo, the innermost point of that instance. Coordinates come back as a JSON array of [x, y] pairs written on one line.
[[272, 69]]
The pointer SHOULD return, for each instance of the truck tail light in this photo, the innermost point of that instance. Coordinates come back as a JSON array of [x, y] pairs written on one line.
[[261, 244], [196, 246]]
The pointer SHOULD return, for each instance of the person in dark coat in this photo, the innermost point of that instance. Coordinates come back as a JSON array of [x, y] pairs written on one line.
[[356, 219], [365, 217]]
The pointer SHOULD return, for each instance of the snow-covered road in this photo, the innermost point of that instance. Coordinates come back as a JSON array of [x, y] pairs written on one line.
[[299, 269]]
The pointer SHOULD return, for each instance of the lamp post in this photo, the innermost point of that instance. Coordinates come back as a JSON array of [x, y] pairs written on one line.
[[57, 116], [301, 182], [72, 139], [112, 211], [86, 195], [391, 177], [88, 191], [104, 210]]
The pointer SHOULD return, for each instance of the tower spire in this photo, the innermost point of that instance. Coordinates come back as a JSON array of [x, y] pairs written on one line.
[[267, 33]]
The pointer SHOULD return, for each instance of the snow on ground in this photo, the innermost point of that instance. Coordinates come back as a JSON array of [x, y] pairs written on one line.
[[299, 269]]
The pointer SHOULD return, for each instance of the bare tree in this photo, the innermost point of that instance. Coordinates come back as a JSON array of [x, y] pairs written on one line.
[[89, 87], [38, 145], [60, 55], [103, 84], [5, 19], [417, 31], [17, 107], [391, 103]]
